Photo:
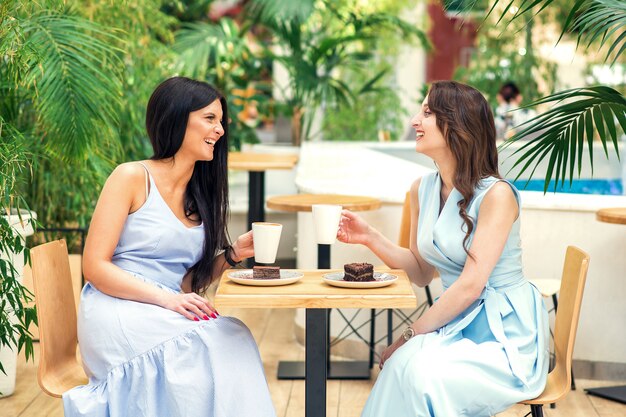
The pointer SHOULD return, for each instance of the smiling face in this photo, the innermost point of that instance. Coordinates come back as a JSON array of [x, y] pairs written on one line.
[[429, 139], [204, 129]]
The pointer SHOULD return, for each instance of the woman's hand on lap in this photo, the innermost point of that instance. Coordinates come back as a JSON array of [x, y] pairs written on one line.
[[190, 305], [389, 350]]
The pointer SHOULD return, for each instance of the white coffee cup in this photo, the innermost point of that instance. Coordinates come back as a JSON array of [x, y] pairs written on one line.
[[266, 237], [326, 220]]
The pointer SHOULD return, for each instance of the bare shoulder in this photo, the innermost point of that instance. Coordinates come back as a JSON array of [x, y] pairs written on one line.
[[501, 193], [500, 199], [127, 182], [129, 171], [129, 175]]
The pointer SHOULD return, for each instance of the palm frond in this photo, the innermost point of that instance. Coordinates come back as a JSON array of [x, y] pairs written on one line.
[[282, 9], [605, 19], [196, 44], [76, 78], [561, 131], [593, 20]]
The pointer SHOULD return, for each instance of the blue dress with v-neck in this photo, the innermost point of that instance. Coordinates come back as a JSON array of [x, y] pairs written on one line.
[[492, 355], [143, 360]]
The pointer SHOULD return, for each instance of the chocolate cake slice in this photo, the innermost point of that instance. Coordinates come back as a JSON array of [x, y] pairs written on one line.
[[266, 272], [361, 272]]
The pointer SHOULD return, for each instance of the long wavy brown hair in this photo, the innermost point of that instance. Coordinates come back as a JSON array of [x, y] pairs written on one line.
[[466, 121]]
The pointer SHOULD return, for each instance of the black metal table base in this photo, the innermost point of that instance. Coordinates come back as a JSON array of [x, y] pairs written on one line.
[[337, 370], [315, 359], [256, 202], [616, 393]]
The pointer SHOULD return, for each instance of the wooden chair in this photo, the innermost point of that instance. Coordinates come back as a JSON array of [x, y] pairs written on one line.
[[59, 369], [549, 288], [566, 323]]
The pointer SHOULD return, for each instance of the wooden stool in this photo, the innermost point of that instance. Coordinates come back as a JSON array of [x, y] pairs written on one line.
[[304, 203]]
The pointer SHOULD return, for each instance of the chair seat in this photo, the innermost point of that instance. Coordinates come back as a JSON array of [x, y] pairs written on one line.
[[63, 378], [556, 389], [547, 287]]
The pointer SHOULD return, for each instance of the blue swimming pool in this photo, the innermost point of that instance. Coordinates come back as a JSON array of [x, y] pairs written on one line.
[[606, 186]]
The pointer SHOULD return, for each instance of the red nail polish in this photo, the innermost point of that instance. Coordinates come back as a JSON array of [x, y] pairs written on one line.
[[196, 319], [206, 317], [214, 315]]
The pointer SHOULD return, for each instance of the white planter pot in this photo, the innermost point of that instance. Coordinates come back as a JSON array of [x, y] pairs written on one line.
[[8, 355]]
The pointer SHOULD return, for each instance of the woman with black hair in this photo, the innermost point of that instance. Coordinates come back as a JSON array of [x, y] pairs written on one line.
[[150, 343], [483, 345]]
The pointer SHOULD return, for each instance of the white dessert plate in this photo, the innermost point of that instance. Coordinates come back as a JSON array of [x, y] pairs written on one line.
[[382, 279], [244, 277]]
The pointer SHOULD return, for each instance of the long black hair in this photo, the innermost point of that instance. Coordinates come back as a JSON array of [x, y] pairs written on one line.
[[207, 191]]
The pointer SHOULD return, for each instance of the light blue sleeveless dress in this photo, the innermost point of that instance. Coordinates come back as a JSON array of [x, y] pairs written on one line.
[[146, 361], [491, 356]]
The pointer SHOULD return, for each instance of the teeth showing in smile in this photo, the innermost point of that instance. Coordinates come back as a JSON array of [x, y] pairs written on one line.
[[210, 142], [418, 135]]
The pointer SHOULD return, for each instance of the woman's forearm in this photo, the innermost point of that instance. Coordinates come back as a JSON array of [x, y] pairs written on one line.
[[113, 281], [398, 257], [454, 301]]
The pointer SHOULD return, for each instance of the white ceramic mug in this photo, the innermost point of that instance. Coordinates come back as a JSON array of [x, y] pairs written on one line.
[[326, 220], [266, 237]]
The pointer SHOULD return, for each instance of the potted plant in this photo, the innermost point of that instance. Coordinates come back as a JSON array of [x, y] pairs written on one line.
[[15, 226], [48, 117], [320, 45]]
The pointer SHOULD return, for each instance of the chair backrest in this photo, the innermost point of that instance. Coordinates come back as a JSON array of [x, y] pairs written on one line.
[[56, 314], [567, 315], [570, 299], [405, 224]]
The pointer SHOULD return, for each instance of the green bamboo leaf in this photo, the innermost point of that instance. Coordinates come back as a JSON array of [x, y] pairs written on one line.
[[589, 128], [621, 50], [599, 122], [571, 17], [551, 162], [572, 151], [505, 10], [610, 124], [580, 139], [539, 158], [533, 148], [620, 113], [537, 153], [565, 144]]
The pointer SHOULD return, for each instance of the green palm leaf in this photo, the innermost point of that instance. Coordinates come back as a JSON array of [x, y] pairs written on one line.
[[282, 9], [560, 131], [76, 77], [197, 46], [592, 19]]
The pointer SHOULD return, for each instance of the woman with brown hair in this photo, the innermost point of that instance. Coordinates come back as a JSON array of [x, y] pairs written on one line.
[[483, 345]]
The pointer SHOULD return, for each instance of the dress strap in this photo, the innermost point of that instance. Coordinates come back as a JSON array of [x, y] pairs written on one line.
[[147, 178]]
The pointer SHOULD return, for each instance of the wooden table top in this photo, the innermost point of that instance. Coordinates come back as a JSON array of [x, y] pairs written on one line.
[[251, 161], [612, 215], [312, 292], [303, 202]]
